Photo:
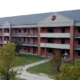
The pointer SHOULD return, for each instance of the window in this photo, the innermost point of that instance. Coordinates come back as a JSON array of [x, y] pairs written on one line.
[[25, 48], [78, 41], [78, 30], [63, 41], [78, 53], [19, 31], [50, 40], [24, 39], [50, 30], [24, 30], [50, 50], [63, 30]]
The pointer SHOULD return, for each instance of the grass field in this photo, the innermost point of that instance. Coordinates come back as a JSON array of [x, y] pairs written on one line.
[[27, 59], [45, 68]]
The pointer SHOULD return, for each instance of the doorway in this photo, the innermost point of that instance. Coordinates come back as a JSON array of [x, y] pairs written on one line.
[[28, 49], [34, 50]]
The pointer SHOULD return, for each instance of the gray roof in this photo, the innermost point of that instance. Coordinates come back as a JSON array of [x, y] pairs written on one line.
[[34, 18], [72, 14], [25, 19]]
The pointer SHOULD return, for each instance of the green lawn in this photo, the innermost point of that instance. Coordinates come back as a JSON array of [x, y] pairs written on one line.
[[45, 68], [27, 59]]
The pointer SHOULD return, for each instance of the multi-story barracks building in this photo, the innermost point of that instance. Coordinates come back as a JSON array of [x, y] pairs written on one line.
[[58, 31]]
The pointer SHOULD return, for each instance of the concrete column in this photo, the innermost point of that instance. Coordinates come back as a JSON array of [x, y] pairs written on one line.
[[3, 36], [39, 40], [71, 42]]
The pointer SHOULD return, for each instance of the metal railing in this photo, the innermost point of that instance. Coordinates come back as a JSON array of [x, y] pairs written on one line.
[[0, 33], [77, 46], [24, 34], [77, 34], [1, 41], [30, 43]]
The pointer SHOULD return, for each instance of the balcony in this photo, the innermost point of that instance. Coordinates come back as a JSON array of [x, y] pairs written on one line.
[[30, 44], [77, 47], [6, 34], [54, 45], [55, 35], [6, 42], [24, 35], [77, 35]]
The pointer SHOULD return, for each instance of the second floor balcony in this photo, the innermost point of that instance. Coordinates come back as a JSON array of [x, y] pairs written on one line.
[[24, 34], [30, 44]]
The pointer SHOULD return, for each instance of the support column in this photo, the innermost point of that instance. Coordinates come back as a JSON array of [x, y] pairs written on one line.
[[3, 36], [9, 35], [39, 40], [71, 42]]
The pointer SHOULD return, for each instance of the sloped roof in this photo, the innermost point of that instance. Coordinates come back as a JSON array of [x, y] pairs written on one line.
[[35, 18], [25, 19], [72, 14]]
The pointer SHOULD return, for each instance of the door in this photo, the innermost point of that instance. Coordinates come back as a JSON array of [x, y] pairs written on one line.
[[15, 32], [28, 49], [34, 41], [28, 40], [28, 31], [34, 50], [34, 32]]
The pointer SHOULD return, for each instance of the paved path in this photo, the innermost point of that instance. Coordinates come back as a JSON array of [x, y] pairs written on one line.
[[29, 76]]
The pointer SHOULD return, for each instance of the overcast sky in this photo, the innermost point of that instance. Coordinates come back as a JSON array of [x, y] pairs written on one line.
[[24, 7]]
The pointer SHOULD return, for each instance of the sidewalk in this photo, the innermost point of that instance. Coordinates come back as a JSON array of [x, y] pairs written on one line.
[[29, 76]]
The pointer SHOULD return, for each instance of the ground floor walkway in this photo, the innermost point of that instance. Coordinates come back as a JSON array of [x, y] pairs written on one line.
[[29, 76]]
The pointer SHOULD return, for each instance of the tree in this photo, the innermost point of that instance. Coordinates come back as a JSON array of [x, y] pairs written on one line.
[[56, 61], [69, 72], [18, 44], [8, 60]]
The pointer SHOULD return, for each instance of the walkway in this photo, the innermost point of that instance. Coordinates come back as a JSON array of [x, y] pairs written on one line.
[[29, 76]]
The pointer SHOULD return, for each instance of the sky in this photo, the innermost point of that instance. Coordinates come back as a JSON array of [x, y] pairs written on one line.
[[24, 7]]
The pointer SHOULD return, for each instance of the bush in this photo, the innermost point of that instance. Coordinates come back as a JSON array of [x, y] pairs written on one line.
[[69, 72]]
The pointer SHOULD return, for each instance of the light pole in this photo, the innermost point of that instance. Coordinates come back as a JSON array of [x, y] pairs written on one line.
[[45, 52]]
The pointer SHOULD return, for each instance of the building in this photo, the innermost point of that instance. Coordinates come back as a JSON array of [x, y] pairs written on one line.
[[59, 30]]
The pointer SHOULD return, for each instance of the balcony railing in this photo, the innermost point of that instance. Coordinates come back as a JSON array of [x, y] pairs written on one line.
[[1, 42], [55, 45], [77, 35], [30, 43], [77, 46], [55, 35], [24, 34], [0, 34]]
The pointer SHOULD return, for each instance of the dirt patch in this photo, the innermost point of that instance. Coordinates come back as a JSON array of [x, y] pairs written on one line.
[[43, 74]]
